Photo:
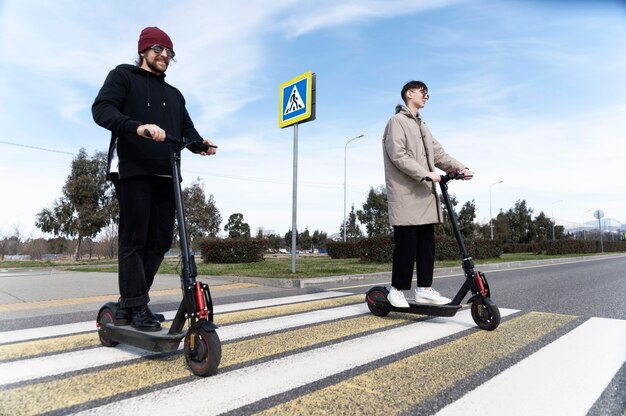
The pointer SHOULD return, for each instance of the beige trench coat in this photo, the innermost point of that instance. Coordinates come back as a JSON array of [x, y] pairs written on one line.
[[410, 151]]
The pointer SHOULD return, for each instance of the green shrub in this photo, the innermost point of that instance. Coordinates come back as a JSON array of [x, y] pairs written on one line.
[[377, 249], [233, 251], [343, 250], [380, 249], [580, 246]]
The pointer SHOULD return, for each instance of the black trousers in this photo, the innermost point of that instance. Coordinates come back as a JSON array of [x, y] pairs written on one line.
[[411, 243], [146, 230]]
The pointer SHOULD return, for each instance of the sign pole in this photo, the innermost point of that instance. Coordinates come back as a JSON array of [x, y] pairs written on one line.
[[296, 104], [294, 206]]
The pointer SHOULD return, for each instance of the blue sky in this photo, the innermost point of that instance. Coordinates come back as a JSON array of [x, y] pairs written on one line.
[[531, 93]]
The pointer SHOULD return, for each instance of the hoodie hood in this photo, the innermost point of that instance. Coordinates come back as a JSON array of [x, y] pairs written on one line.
[[160, 79]]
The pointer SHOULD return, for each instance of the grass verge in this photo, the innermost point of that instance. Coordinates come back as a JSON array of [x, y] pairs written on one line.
[[276, 267]]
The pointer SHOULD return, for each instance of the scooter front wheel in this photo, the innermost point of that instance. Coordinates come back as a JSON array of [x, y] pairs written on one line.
[[373, 299], [485, 313], [203, 351], [105, 317]]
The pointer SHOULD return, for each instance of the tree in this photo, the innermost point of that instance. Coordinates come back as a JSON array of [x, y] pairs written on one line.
[[36, 248], [353, 231], [87, 204], [237, 228], [319, 239], [275, 241], [445, 228], [467, 214], [288, 237], [374, 214], [542, 227], [305, 240], [202, 216], [501, 229], [520, 222]]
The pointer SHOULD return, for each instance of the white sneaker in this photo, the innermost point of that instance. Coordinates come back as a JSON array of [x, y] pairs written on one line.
[[396, 298], [429, 295]]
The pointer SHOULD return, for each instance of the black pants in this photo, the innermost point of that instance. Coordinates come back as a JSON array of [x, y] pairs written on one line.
[[146, 230], [411, 243]]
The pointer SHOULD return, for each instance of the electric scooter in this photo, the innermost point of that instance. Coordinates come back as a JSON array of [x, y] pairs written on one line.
[[484, 311], [202, 347]]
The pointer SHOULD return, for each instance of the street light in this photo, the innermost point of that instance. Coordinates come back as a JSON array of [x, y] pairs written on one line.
[[491, 216], [345, 150], [553, 222]]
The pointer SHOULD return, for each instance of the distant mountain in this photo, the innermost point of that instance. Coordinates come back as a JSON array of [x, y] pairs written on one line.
[[608, 224]]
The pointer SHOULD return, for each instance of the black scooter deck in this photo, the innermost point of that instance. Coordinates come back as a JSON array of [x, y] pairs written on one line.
[[423, 308], [158, 341]]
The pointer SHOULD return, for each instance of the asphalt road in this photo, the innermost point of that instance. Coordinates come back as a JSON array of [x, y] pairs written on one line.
[[585, 287], [560, 349]]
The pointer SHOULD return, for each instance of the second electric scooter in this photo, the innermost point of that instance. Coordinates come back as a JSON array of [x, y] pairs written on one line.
[[484, 311], [202, 347]]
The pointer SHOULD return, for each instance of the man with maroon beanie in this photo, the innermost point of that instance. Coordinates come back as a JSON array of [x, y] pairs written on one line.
[[139, 107]]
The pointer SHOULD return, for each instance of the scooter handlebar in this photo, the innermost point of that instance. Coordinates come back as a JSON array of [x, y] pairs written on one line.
[[454, 175], [195, 147]]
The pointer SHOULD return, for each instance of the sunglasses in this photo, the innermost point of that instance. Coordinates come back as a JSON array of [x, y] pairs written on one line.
[[158, 49]]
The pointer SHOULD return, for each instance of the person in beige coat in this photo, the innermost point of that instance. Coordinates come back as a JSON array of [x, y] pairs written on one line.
[[411, 155]]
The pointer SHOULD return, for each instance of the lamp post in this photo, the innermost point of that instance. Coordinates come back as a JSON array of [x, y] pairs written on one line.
[[553, 222], [345, 151], [490, 215]]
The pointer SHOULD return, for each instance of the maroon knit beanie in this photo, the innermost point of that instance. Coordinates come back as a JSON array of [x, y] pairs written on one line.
[[151, 36]]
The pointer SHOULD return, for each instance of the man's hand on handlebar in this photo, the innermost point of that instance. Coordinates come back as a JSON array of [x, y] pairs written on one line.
[[432, 176], [467, 174], [151, 131], [212, 148]]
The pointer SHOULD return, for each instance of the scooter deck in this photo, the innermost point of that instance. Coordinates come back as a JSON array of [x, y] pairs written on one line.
[[158, 341], [423, 308]]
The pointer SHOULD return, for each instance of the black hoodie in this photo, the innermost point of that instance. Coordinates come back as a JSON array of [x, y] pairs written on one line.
[[132, 96]]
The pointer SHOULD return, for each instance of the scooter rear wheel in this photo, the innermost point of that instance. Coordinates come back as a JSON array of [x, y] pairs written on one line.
[[376, 295], [204, 359], [105, 317], [485, 313]]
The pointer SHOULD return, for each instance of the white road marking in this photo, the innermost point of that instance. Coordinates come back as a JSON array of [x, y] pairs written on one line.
[[565, 377]]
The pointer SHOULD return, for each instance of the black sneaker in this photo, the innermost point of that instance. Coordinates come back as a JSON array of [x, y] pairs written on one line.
[[158, 316], [143, 320], [122, 316]]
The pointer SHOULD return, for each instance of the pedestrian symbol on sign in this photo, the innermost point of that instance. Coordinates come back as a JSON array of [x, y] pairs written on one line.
[[295, 101]]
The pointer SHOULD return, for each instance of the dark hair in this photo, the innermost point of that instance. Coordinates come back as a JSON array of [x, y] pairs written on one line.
[[412, 85]]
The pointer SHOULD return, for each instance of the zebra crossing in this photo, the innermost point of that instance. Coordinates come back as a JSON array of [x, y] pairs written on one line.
[[324, 353]]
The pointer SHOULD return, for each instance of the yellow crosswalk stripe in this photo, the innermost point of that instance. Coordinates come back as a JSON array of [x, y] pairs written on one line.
[[423, 375]]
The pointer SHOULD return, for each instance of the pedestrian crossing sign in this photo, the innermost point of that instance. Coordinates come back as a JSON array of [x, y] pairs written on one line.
[[296, 100]]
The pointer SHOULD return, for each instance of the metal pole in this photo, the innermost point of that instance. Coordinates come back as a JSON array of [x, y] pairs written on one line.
[[345, 151], [490, 215], [600, 229], [294, 206]]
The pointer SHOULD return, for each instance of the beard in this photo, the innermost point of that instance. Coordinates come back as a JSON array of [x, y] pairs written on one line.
[[154, 66]]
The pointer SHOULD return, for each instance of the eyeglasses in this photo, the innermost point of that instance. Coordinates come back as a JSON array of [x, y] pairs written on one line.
[[158, 49], [425, 93]]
